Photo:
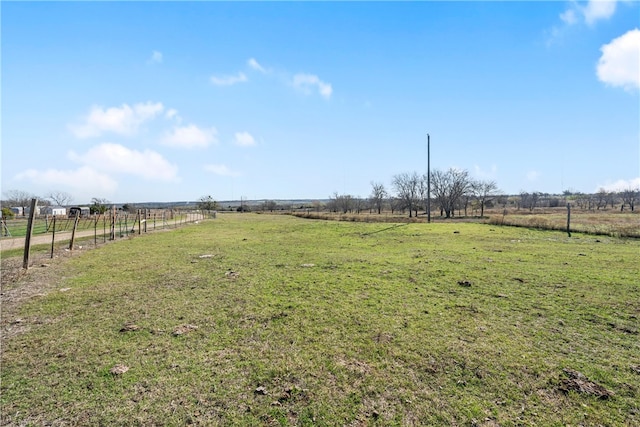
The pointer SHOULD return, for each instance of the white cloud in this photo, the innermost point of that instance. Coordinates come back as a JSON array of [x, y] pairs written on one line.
[[228, 80], [156, 57], [619, 64], [569, 16], [255, 65], [306, 82], [244, 139], [221, 170], [190, 136], [124, 120], [172, 114], [115, 158], [621, 185], [593, 11], [84, 180], [598, 9]]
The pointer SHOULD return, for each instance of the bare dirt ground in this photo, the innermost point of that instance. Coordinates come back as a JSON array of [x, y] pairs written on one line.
[[19, 285], [18, 242]]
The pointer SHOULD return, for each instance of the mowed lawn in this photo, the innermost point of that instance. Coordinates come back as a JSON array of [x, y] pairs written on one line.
[[273, 320]]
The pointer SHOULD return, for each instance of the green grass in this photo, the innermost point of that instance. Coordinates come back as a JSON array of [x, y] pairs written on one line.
[[340, 324]]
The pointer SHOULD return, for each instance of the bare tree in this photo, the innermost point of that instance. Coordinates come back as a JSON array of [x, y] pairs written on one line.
[[483, 191], [629, 197], [19, 198], [406, 187], [529, 200], [60, 198], [378, 195], [601, 198], [340, 202], [448, 187]]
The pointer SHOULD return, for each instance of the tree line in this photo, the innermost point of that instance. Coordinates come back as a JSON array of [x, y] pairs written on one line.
[[450, 190]]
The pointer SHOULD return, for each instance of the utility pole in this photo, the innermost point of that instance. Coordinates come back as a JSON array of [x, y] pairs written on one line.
[[428, 178]]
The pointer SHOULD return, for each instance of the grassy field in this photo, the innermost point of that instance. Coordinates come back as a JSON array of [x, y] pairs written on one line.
[[275, 320]]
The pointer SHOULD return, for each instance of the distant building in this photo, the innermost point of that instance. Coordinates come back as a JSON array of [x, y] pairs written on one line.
[[54, 210], [16, 210]]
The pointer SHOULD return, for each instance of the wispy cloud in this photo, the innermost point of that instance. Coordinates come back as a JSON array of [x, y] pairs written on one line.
[[221, 170], [576, 13], [156, 57], [619, 65], [115, 158], [306, 83], [123, 120], [255, 65], [244, 139], [190, 136], [228, 80], [172, 114]]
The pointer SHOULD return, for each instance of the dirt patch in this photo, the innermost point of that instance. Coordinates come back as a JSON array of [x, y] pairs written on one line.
[[184, 329], [19, 286], [576, 381]]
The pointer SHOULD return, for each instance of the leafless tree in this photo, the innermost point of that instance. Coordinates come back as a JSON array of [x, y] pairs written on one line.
[[448, 187], [483, 191], [378, 195], [19, 198], [340, 202], [629, 197], [600, 198], [60, 198], [406, 187], [529, 200]]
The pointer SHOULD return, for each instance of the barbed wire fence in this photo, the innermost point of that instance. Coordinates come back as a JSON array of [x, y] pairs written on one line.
[[59, 235]]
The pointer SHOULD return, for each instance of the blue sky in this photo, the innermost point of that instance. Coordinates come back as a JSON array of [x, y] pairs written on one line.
[[167, 101]]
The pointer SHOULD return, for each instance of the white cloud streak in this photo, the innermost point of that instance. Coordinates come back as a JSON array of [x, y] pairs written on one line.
[[115, 158], [306, 82], [190, 136], [228, 80], [244, 139], [123, 120], [619, 65], [255, 65], [221, 170]]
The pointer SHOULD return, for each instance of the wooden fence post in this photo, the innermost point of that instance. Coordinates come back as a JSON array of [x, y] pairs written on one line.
[[73, 232], [568, 219], [53, 236], [112, 234], [27, 241]]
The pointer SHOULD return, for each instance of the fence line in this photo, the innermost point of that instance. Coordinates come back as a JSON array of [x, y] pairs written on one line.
[[53, 230]]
